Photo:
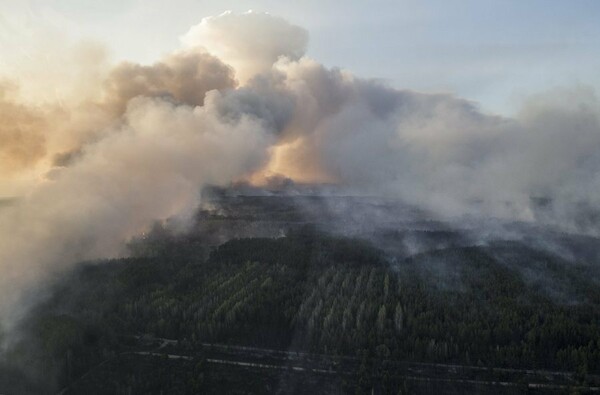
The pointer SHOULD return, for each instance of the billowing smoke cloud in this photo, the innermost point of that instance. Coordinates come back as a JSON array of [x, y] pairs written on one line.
[[47, 129], [250, 42], [137, 151], [240, 101], [21, 134], [441, 151], [185, 77], [149, 168]]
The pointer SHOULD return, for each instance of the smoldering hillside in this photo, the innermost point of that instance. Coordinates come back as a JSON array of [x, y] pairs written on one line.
[[313, 269], [409, 237]]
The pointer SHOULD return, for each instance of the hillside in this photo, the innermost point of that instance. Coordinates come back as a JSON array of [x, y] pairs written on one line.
[[408, 304]]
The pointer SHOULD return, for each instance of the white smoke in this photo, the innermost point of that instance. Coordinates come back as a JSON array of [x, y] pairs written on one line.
[[241, 100], [250, 42], [441, 151]]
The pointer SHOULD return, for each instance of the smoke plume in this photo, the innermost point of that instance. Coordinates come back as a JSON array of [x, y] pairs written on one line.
[[240, 101], [21, 133]]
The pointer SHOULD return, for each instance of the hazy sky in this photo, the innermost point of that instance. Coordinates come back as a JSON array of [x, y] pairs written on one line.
[[491, 51]]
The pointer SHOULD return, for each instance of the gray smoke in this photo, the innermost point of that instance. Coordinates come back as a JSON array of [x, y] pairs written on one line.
[[240, 101]]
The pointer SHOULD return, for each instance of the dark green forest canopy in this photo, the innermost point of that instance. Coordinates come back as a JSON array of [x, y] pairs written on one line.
[[502, 304]]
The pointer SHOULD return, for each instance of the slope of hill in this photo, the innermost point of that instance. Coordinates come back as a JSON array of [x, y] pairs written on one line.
[[295, 293]]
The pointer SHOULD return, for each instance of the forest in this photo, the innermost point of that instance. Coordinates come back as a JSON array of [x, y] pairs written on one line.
[[313, 293]]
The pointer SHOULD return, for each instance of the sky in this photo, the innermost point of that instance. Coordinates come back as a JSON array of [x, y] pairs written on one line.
[[493, 52]]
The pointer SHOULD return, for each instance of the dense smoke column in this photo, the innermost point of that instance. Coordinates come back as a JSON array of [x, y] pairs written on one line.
[[135, 143]]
